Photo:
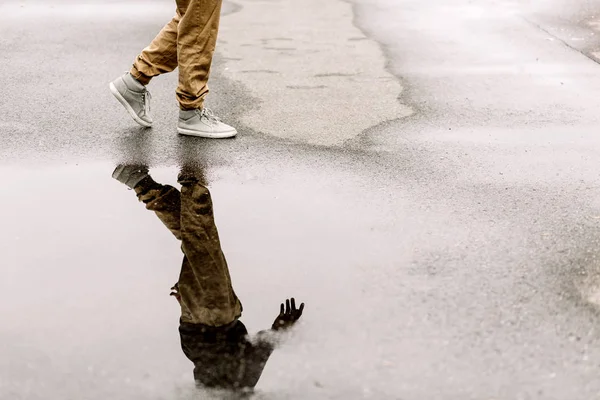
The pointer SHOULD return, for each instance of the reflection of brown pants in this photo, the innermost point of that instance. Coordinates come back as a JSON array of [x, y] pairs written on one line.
[[205, 291], [187, 42]]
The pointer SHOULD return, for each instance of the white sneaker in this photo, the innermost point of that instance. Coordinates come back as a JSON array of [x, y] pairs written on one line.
[[203, 123], [134, 97]]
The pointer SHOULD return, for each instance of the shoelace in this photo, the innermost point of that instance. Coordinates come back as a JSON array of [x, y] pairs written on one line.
[[146, 99], [209, 115]]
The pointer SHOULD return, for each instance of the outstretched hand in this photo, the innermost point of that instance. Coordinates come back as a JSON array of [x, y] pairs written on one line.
[[288, 315], [175, 292]]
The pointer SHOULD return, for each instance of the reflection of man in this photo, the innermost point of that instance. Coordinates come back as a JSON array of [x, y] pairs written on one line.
[[187, 42], [212, 336]]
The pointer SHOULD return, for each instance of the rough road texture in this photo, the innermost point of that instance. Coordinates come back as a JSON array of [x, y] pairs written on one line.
[[449, 254], [309, 69]]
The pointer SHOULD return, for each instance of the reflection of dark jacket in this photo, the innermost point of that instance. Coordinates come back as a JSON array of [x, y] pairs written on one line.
[[223, 356]]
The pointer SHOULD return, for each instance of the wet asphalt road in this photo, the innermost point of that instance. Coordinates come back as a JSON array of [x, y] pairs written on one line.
[[448, 254]]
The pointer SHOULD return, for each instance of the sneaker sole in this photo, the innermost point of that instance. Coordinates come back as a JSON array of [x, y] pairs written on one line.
[[207, 135], [125, 104]]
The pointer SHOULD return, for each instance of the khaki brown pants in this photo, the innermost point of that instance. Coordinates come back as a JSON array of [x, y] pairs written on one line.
[[187, 42], [204, 288]]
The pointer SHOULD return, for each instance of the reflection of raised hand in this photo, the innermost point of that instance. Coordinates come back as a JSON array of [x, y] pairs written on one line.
[[288, 315], [175, 292], [130, 175]]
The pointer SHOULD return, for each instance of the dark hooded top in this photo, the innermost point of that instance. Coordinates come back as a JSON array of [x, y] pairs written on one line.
[[224, 357]]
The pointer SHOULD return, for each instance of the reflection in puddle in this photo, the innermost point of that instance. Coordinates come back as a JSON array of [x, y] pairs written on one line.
[[97, 322], [212, 336]]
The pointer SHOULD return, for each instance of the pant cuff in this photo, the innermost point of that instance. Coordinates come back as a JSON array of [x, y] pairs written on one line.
[[140, 76], [191, 106]]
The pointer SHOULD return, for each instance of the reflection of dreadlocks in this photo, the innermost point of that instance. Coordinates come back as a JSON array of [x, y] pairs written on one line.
[[212, 336]]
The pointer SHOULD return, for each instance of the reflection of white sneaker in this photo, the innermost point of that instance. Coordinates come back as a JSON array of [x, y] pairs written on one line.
[[203, 123], [130, 175]]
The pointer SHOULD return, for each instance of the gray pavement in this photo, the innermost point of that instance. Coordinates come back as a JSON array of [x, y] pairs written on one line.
[[445, 243]]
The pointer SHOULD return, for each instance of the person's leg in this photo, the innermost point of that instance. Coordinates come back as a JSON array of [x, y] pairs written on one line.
[[196, 40], [160, 56], [164, 200], [204, 289]]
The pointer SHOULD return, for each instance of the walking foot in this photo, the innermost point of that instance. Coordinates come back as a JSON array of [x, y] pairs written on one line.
[[203, 123], [134, 97]]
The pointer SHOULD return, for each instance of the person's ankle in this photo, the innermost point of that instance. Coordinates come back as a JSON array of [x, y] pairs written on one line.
[[147, 184], [187, 114], [133, 83], [190, 109]]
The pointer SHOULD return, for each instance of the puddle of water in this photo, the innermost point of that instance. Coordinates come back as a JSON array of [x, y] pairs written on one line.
[[84, 294]]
